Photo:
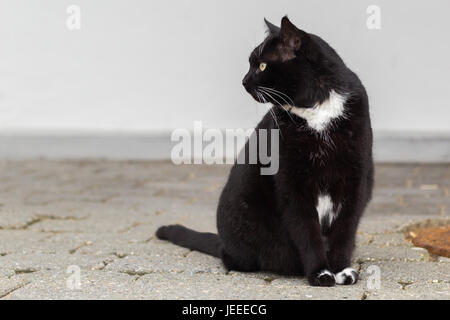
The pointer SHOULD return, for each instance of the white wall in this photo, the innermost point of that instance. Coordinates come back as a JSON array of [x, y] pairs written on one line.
[[142, 65]]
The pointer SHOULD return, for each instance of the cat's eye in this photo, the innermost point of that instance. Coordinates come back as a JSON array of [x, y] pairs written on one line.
[[262, 66]]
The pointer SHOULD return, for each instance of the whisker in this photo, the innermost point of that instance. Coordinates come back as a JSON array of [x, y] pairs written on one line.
[[272, 113], [274, 116], [281, 93], [260, 97], [276, 100], [277, 93], [291, 102]]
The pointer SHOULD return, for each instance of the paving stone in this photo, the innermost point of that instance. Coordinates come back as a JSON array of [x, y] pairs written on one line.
[[386, 252], [100, 216], [407, 291], [405, 271]]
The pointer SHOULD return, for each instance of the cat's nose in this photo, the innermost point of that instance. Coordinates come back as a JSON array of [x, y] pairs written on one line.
[[245, 81], [247, 85]]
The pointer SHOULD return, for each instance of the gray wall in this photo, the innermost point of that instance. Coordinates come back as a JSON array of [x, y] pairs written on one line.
[[145, 66]]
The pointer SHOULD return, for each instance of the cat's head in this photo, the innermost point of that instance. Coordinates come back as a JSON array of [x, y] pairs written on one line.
[[284, 67]]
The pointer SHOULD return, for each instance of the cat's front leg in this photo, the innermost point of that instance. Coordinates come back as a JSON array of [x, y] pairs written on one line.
[[304, 229], [341, 242]]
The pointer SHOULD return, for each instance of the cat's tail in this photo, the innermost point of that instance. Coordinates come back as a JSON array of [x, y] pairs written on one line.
[[205, 242]]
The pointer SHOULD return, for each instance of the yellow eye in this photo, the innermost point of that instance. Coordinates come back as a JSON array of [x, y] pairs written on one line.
[[262, 66]]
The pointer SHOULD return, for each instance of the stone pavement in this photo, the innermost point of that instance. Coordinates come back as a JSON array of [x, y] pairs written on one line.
[[98, 217]]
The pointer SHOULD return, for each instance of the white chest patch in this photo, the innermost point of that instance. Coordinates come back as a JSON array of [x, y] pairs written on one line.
[[325, 209], [319, 116]]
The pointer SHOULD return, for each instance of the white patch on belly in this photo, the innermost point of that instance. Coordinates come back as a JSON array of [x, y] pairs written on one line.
[[325, 209], [319, 116]]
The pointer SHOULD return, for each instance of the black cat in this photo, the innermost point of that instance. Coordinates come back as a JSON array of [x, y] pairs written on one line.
[[303, 219]]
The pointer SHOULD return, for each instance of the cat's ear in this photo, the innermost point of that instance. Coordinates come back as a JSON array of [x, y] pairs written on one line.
[[271, 28], [291, 36]]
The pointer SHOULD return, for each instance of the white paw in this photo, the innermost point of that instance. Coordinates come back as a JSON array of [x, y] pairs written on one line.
[[324, 278], [347, 276], [326, 272]]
